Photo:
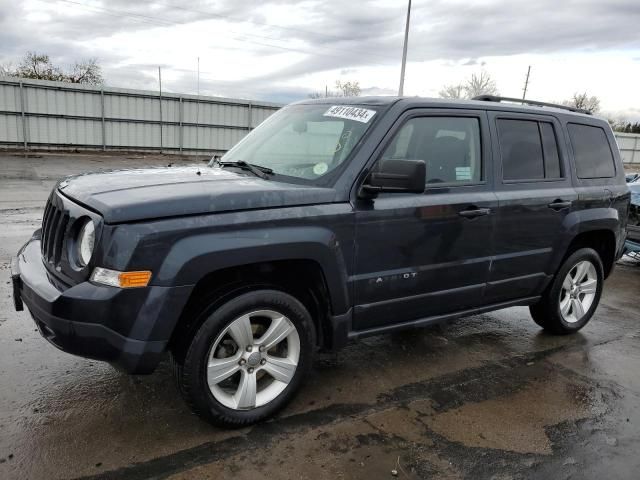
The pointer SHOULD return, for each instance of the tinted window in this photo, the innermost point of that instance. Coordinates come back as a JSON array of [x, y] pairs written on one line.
[[529, 150], [450, 146], [550, 148], [521, 150], [591, 151]]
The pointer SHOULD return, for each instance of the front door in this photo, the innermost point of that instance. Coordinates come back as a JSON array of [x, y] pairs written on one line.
[[422, 255]]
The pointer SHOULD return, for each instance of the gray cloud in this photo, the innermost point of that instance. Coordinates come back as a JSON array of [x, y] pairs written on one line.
[[336, 35]]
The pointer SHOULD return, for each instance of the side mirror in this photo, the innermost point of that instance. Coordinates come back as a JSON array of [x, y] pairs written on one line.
[[397, 176]]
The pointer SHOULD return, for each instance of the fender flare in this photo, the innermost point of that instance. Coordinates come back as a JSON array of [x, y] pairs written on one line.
[[192, 258]]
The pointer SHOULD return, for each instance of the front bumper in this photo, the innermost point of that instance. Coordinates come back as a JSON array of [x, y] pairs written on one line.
[[129, 328]]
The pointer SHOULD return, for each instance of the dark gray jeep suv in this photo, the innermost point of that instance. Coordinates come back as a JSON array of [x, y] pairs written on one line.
[[334, 220]]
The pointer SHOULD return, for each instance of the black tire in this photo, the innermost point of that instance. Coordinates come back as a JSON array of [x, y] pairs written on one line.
[[546, 312], [191, 373]]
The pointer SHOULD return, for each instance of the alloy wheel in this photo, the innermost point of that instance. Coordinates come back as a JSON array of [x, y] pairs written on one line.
[[253, 360], [578, 291]]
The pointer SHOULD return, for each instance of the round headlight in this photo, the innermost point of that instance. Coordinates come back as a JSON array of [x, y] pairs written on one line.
[[85, 242]]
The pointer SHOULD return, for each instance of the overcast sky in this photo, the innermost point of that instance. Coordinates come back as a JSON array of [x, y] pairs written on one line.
[[282, 50]]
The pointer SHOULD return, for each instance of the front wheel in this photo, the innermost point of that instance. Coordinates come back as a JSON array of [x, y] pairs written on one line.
[[573, 296], [248, 358]]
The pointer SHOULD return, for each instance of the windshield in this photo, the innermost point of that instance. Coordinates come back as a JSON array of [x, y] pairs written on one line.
[[304, 141]]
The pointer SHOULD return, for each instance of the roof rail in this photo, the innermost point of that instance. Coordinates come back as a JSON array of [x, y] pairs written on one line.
[[495, 98]]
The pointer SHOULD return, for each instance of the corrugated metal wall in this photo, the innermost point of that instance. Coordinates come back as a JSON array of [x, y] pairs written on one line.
[[47, 115], [629, 144], [40, 114]]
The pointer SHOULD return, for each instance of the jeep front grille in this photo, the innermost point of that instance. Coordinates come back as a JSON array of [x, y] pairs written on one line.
[[54, 230]]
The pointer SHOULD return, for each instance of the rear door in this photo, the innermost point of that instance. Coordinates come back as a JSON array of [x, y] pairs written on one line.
[[535, 194], [420, 255]]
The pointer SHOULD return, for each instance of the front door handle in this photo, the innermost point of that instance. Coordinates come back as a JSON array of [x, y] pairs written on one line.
[[558, 205], [473, 212]]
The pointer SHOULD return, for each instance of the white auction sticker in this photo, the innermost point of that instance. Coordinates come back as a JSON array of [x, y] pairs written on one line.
[[347, 112]]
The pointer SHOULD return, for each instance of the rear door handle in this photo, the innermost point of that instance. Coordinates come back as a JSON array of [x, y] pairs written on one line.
[[558, 205], [473, 212]]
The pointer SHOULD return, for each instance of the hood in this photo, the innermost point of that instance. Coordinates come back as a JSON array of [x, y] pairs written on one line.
[[130, 195]]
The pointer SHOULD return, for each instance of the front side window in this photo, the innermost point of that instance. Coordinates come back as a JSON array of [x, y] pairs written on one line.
[[591, 151], [450, 147], [305, 141]]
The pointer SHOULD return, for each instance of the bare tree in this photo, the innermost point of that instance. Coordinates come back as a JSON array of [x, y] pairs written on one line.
[[87, 71], [584, 101], [39, 66], [618, 124], [343, 89], [452, 91], [348, 89], [477, 84], [6, 70], [480, 84]]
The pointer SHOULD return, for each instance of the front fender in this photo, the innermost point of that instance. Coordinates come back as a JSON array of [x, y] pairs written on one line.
[[191, 258]]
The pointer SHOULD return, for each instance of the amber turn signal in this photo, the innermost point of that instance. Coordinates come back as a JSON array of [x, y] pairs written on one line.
[[113, 278], [134, 279]]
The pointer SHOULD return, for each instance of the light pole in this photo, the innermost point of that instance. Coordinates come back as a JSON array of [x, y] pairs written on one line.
[[404, 52]]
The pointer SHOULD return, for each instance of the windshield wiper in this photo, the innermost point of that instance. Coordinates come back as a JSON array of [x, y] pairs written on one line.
[[257, 170]]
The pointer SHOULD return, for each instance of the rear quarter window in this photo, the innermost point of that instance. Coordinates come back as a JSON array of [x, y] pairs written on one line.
[[591, 150]]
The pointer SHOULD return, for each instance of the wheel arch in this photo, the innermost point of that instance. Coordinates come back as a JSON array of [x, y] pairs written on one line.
[[603, 241], [303, 278], [597, 228]]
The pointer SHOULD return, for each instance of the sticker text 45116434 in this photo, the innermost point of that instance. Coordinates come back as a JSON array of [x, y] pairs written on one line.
[[350, 113]]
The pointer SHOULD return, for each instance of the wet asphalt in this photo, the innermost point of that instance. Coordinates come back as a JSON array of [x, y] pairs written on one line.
[[490, 396]]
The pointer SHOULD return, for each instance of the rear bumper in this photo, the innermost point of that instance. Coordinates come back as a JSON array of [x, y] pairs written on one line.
[[127, 328]]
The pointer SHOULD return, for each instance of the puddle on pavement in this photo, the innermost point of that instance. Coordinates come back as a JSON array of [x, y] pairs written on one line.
[[518, 422]]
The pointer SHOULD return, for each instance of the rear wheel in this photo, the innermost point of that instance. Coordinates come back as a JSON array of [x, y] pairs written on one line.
[[574, 294], [248, 358]]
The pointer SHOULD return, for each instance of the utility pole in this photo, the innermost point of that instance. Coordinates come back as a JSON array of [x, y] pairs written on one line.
[[160, 83], [404, 51], [526, 83]]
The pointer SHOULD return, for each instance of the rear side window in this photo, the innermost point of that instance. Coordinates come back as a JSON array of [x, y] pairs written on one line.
[[550, 149], [591, 151], [529, 150]]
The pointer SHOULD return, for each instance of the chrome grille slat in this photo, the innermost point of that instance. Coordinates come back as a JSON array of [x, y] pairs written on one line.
[[45, 223], [58, 240], [47, 232], [50, 232]]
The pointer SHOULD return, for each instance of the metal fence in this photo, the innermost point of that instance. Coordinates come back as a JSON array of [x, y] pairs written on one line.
[[629, 144], [37, 114]]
